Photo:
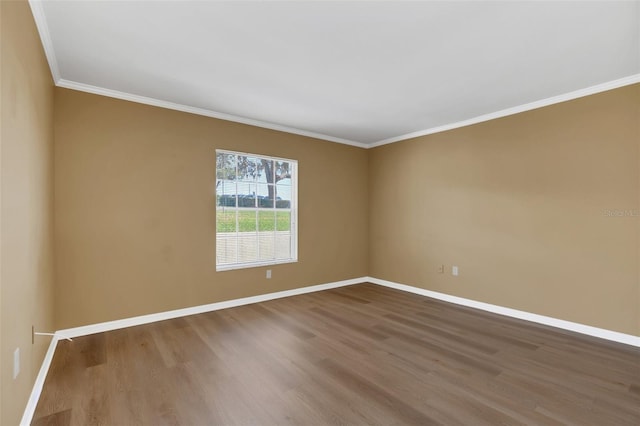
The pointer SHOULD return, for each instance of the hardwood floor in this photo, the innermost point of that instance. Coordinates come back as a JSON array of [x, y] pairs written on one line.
[[362, 354]]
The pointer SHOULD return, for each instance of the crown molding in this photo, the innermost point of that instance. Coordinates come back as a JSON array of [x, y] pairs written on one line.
[[603, 87], [610, 85], [67, 84], [45, 36]]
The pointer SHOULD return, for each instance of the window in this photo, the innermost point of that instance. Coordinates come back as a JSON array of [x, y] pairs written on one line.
[[256, 211]]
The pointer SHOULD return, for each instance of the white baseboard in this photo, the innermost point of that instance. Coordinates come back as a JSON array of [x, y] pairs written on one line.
[[602, 333], [32, 403], [161, 316]]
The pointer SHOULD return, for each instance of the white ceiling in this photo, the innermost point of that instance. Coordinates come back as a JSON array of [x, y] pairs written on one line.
[[363, 73]]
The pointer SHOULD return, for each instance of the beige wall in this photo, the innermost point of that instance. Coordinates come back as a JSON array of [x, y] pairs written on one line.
[[135, 209], [518, 204], [26, 272]]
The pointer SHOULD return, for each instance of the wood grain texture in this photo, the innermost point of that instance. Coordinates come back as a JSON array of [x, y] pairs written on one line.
[[362, 354]]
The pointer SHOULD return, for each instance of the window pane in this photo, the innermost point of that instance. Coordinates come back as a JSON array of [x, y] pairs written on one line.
[[283, 170], [226, 194], [266, 221], [267, 245], [248, 168], [247, 220], [226, 248], [242, 167], [265, 195], [283, 196], [247, 201], [220, 169], [248, 247], [230, 163], [226, 166], [283, 245], [247, 194], [283, 221], [266, 171], [226, 220]]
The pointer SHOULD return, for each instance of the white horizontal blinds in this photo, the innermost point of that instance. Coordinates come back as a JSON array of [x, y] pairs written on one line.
[[247, 247], [255, 205]]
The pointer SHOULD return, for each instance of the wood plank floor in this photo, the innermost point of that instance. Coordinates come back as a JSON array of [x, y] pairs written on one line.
[[362, 354]]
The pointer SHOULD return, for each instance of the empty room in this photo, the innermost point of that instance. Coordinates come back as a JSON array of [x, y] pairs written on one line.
[[319, 212]]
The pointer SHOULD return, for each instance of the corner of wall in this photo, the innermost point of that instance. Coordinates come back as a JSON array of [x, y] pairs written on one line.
[[26, 202]]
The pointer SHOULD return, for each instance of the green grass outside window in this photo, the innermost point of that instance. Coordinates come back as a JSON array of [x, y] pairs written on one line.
[[268, 220]]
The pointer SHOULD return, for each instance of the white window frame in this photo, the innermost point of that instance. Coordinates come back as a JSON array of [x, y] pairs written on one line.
[[293, 209]]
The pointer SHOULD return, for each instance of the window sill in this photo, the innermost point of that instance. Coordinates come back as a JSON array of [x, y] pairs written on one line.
[[221, 268]]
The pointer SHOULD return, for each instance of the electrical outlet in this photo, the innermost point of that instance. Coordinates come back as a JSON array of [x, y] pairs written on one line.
[[16, 363], [268, 274], [441, 269], [454, 271]]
